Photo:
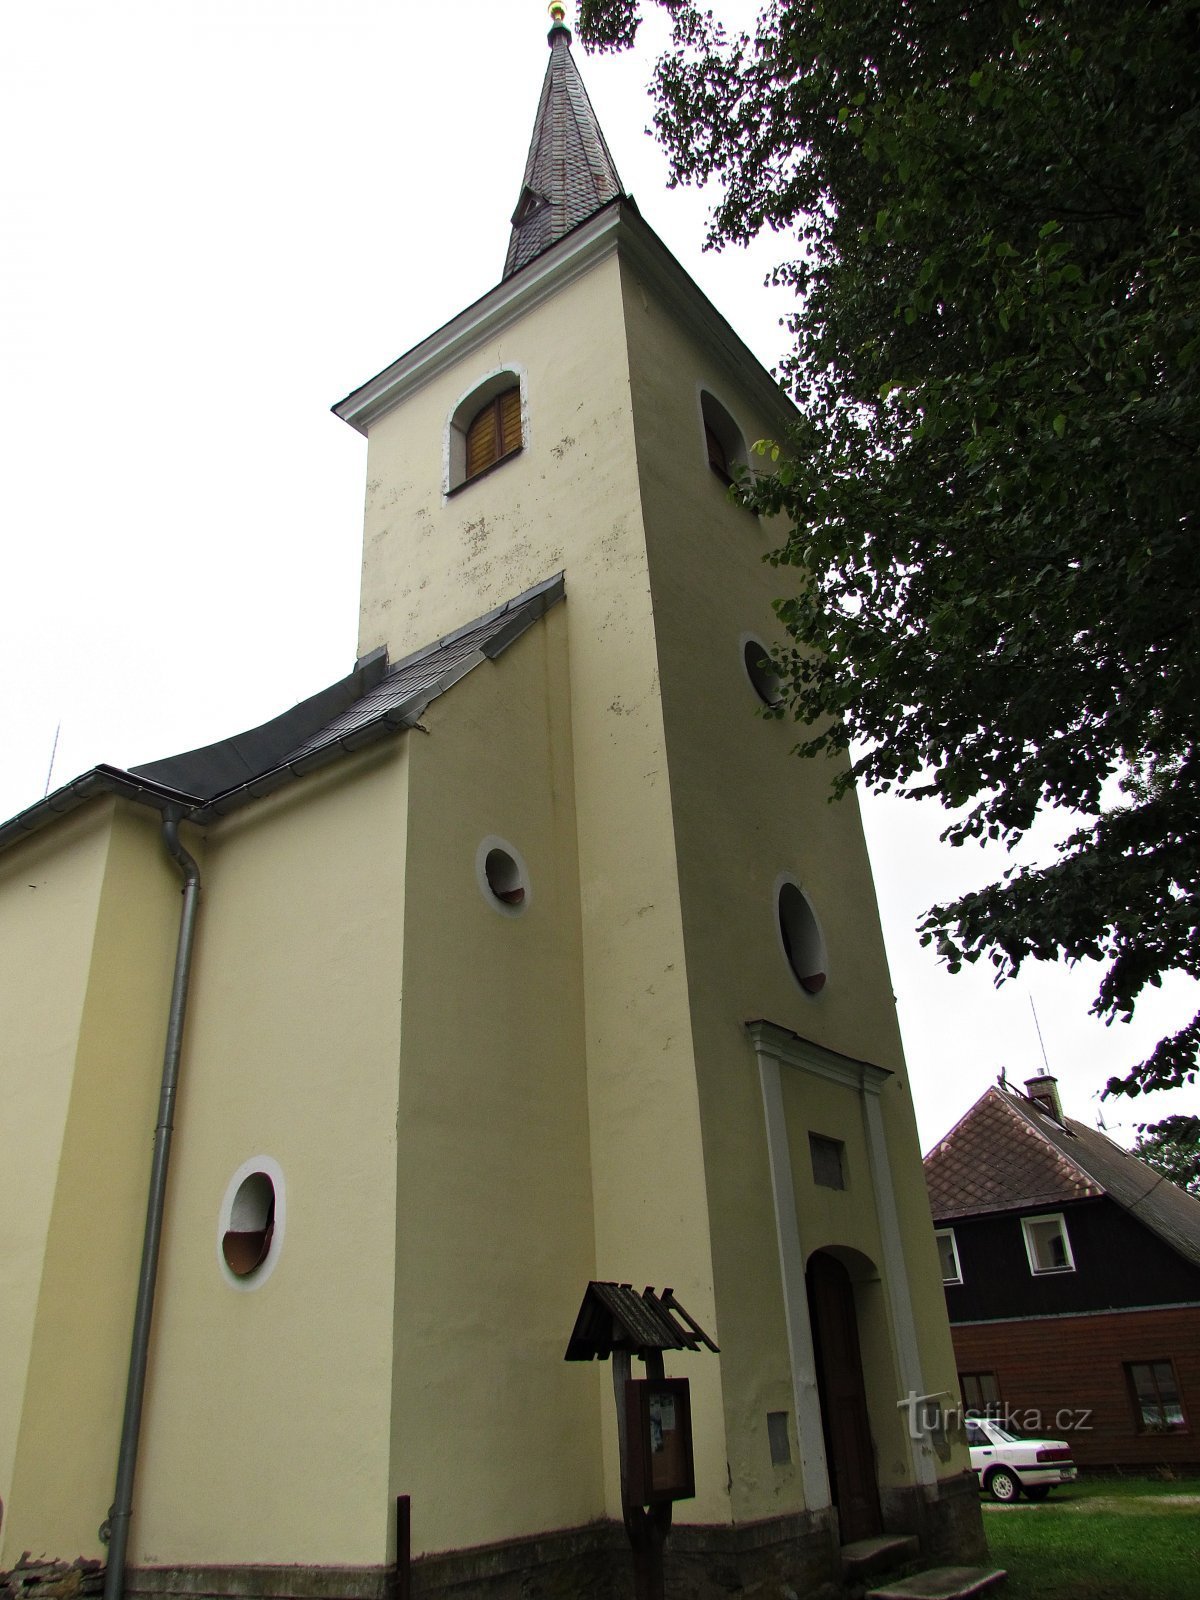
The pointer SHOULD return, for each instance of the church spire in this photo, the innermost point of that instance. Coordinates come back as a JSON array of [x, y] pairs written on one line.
[[569, 174]]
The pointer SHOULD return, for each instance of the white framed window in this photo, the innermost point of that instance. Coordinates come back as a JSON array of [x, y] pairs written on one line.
[[502, 876], [948, 1255], [251, 1223], [488, 425], [1047, 1244]]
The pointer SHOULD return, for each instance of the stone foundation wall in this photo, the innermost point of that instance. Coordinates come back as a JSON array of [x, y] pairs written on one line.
[[52, 1580], [945, 1518], [784, 1558]]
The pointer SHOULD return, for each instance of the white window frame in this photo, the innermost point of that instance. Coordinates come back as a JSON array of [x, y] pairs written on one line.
[[1027, 1226], [948, 1233], [464, 411]]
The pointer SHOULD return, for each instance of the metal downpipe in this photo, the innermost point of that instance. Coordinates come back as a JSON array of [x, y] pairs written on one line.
[[122, 1507]]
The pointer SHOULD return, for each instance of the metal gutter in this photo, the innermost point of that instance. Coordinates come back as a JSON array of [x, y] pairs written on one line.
[[122, 1507], [100, 780]]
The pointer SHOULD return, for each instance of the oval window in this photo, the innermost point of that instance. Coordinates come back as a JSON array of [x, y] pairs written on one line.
[[247, 1239], [250, 1224], [803, 943], [764, 680], [503, 876]]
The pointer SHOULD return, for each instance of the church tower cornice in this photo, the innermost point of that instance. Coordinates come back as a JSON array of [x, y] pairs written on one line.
[[617, 228]]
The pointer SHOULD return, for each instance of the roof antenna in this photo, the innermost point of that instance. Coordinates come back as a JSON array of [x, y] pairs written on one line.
[[1041, 1041], [53, 753]]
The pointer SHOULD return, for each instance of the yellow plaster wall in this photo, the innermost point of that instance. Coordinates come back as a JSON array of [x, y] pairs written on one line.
[[846, 1222], [494, 1435], [939, 1370], [118, 903], [571, 500], [745, 812], [49, 895], [266, 1434], [568, 499]]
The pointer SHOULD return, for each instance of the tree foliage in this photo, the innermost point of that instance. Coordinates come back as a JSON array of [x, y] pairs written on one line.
[[1172, 1147], [991, 213]]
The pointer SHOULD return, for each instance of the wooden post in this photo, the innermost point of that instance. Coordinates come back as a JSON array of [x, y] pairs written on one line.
[[647, 1527], [403, 1547]]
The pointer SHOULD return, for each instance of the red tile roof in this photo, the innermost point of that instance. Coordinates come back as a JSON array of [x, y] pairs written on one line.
[[996, 1159], [1007, 1154]]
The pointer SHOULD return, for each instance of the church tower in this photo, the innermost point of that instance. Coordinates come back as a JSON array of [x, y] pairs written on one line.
[[746, 1097], [528, 958]]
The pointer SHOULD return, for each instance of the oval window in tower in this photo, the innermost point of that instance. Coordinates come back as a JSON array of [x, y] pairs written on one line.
[[760, 670], [801, 937]]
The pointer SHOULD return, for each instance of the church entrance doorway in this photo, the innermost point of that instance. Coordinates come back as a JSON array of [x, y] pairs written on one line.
[[849, 1451]]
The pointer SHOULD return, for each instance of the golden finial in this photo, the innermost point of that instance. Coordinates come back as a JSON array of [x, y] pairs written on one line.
[[558, 26]]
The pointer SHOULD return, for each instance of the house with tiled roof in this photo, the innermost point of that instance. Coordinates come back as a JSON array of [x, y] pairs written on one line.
[[344, 1059], [1071, 1272]]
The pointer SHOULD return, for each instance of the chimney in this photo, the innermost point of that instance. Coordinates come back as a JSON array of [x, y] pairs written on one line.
[[1043, 1091]]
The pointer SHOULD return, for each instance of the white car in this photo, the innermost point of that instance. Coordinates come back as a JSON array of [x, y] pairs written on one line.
[[1007, 1466]]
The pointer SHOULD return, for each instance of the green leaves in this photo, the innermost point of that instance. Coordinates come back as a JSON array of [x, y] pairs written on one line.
[[993, 483]]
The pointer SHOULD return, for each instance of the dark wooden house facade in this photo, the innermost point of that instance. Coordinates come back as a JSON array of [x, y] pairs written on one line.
[[1072, 1278]]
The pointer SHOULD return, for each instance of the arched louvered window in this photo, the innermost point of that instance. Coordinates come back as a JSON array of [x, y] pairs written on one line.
[[717, 459], [494, 432], [723, 440]]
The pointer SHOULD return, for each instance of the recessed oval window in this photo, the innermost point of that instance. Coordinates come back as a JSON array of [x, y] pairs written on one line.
[[756, 659], [503, 876], [250, 1228], [803, 942], [251, 1225]]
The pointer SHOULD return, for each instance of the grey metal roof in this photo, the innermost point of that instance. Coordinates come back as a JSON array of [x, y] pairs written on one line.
[[569, 174], [373, 701]]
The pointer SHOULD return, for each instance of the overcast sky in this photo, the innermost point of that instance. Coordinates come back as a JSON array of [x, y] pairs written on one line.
[[220, 216]]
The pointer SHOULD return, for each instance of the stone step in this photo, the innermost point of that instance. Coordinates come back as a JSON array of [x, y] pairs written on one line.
[[942, 1583], [863, 1557]]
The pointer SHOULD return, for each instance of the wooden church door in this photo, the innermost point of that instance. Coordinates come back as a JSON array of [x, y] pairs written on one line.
[[849, 1451]]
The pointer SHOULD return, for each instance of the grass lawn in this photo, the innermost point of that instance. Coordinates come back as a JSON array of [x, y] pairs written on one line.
[[1100, 1539]]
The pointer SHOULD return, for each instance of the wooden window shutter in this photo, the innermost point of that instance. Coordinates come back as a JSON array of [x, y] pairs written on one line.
[[510, 421], [495, 432], [717, 459], [481, 441]]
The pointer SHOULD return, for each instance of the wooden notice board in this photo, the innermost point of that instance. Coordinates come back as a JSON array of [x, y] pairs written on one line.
[[658, 1419]]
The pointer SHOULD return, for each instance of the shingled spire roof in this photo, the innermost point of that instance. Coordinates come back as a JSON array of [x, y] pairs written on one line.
[[570, 174]]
